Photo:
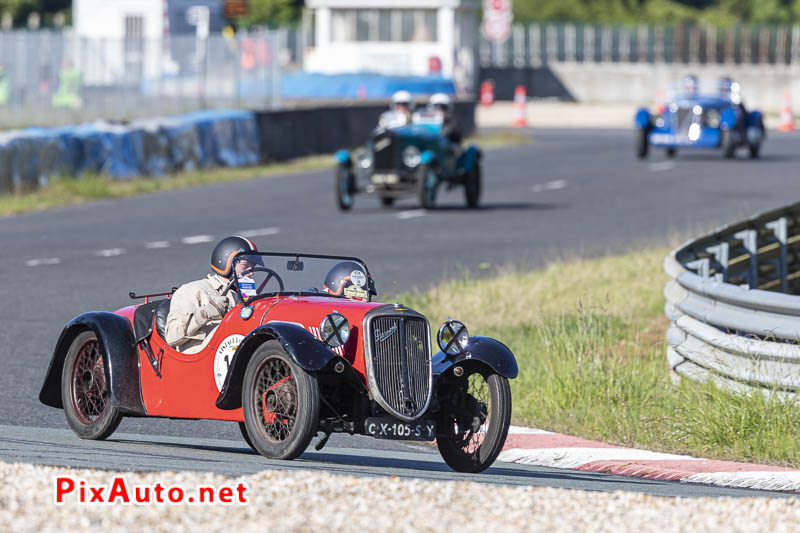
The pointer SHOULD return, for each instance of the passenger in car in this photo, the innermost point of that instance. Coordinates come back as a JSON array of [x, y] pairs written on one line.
[[198, 307]]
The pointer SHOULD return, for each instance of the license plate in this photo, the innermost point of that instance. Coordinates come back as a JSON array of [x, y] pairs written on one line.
[[385, 178], [390, 428]]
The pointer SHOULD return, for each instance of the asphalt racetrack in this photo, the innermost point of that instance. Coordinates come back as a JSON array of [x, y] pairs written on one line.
[[569, 193]]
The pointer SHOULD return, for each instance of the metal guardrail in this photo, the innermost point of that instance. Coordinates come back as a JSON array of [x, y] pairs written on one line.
[[734, 305], [537, 44]]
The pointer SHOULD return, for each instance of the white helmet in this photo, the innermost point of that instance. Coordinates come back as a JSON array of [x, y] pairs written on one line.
[[401, 98], [441, 100]]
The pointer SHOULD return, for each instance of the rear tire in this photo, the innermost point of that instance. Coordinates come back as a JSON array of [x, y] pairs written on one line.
[[671, 152], [755, 151], [642, 143], [476, 409], [472, 186], [728, 146], [280, 402], [85, 393], [345, 187], [426, 185]]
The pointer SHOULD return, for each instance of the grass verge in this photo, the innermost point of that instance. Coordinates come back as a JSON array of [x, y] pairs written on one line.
[[91, 187], [588, 336]]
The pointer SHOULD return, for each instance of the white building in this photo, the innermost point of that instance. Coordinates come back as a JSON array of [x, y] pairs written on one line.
[[400, 37], [125, 39]]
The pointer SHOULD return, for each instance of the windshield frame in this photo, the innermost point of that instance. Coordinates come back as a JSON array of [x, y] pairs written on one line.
[[371, 291]]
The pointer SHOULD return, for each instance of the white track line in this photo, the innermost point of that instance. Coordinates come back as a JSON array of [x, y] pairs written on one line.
[[153, 245], [660, 167], [42, 262], [110, 252], [259, 232], [550, 186], [414, 213], [197, 239]]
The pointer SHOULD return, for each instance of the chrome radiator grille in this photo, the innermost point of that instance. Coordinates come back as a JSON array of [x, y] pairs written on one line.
[[399, 361]]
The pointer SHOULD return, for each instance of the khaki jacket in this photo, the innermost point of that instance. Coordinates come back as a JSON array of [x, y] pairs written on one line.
[[186, 331]]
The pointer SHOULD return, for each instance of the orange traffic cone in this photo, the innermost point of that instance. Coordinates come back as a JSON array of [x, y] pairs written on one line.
[[786, 122], [520, 109]]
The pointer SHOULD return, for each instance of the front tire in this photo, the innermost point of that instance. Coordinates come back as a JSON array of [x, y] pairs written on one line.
[[476, 412], [755, 151], [85, 393], [426, 185], [387, 201], [281, 403], [728, 146], [642, 143], [472, 186], [345, 187], [671, 152]]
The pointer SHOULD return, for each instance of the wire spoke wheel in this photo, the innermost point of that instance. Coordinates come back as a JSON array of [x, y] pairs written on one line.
[[89, 392], [277, 392], [475, 415], [85, 393], [281, 403]]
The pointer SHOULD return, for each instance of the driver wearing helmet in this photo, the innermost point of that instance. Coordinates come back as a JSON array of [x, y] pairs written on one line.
[[347, 279], [690, 85], [198, 307], [442, 105], [399, 113]]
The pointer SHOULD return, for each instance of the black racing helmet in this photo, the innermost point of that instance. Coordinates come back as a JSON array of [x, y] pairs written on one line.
[[349, 279], [226, 250]]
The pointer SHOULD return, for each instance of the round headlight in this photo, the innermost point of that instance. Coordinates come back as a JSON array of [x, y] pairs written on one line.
[[697, 110], [364, 158], [411, 156], [712, 118], [334, 329], [453, 337]]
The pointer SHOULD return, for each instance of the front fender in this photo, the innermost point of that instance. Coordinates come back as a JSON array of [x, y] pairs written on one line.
[[427, 157], [342, 157], [470, 157], [304, 348], [485, 350], [120, 360], [642, 118], [755, 120], [727, 119]]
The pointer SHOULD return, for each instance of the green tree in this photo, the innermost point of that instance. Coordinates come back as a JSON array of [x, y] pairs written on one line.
[[272, 12]]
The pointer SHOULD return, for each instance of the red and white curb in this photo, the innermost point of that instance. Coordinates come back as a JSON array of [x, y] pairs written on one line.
[[544, 448]]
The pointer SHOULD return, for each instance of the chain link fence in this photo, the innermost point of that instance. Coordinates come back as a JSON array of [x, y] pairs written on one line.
[[535, 45], [53, 78]]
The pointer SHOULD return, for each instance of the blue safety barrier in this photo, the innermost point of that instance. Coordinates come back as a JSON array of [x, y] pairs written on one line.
[[204, 139], [361, 85]]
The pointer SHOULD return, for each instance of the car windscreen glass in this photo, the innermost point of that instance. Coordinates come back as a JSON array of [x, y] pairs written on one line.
[[265, 274]]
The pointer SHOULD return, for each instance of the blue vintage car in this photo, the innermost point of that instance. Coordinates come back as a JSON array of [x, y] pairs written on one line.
[[407, 160], [696, 121]]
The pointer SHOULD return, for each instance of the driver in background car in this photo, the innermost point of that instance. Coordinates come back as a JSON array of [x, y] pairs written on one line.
[[197, 307], [399, 113], [442, 105]]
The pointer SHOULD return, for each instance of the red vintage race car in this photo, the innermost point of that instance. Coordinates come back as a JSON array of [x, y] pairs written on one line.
[[288, 361]]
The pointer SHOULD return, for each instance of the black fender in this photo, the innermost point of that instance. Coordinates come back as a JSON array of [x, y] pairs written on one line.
[[304, 348], [120, 360], [483, 350]]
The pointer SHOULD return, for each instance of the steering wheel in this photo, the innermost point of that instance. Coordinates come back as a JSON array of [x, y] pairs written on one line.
[[270, 274]]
